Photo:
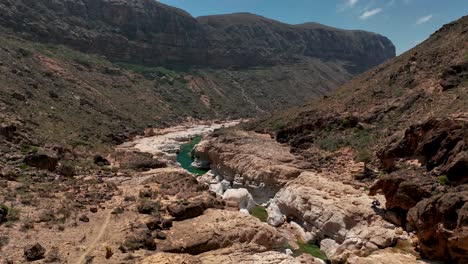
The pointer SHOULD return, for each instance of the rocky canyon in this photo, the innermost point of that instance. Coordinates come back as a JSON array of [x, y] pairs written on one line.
[[133, 132]]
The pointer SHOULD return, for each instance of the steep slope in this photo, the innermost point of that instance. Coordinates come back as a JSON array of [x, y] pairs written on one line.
[[144, 32], [148, 32], [70, 97], [406, 120], [91, 69], [244, 40]]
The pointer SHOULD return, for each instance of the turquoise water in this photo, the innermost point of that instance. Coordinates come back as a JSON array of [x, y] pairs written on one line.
[[185, 156]]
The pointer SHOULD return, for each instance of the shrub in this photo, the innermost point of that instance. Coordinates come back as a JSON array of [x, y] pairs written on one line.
[[261, 213], [443, 179], [25, 149], [311, 249], [9, 215], [329, 143], [117, 211], [4, 240], [364, 155]]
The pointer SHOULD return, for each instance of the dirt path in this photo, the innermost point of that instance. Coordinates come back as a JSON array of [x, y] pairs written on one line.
[[96, 240]]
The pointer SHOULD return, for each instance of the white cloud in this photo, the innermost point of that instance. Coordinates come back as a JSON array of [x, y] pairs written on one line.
[[351, 3], [423, 19], [369, 13], [346, 5]]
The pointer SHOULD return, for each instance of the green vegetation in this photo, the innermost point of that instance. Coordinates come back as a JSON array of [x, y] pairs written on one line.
[[278, 125], [330, 143], [261, 213], [117, 211], [13, 215], [149, 71], [65, 53], [311, 249], [306, 248], [358, 139], [364, 155], [4, 240], [29, 149], [398, 92], [443, 179], [185, 156]]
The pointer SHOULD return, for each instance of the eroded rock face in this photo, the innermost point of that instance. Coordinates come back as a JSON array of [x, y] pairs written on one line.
[[441, 225], [149, 32], [403, 190], [336, 214], [440, 144], [454, 76], [252, 254], [249, 159], [171, 258], [137, 31], [217, 229], [231, 255]]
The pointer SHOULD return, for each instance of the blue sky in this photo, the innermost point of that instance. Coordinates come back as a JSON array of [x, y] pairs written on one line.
[[405, 22]]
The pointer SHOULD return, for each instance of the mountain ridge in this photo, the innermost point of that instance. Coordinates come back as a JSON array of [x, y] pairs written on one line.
[[150, 33]]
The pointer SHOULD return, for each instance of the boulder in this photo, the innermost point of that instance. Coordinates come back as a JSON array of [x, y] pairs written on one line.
[[148, 207], [101, 161], [139, 240], [217, 229], [3, 213], [41, 161], [139, 161], [275, 217], [193, 207], [34, 252], [242, 197], [8, 131], [66, 170], [84, 218]]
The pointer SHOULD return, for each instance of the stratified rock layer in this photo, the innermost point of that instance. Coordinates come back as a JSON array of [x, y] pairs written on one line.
[[149, 32]]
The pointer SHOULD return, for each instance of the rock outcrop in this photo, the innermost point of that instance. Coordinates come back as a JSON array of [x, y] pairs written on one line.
[[193, 207], [441, 225], [336, 215], [41, 161], [253, 254], [232, 255], [440, 144], [217, 229], [171, 258], [403, 190], [407, 117], [249, 160]]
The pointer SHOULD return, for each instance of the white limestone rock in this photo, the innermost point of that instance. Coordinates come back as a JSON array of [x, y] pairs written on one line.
[[242, 197]]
